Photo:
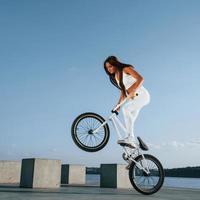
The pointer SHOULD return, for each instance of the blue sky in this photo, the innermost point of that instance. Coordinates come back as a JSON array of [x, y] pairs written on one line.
[[51, 70]]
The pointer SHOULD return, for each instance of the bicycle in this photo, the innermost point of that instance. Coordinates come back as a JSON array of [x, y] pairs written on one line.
[[146, 173]]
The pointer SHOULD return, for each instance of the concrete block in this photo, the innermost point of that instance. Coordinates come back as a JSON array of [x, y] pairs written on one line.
[[40, 173], [73, 174], [114, 176], [10, 171]]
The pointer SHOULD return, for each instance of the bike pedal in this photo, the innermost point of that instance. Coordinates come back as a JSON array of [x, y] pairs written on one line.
[[128, 166]]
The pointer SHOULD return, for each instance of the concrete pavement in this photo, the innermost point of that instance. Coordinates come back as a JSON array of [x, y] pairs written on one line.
[[94, 193]]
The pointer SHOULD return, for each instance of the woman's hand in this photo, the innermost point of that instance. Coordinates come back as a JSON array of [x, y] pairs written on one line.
[[132, 94], [118, 109]]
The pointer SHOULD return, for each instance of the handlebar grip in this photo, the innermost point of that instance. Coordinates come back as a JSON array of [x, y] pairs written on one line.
[[115, 112]]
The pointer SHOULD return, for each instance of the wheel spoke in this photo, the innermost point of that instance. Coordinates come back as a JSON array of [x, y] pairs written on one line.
[[88, 125], [95, 138], [86, 138]]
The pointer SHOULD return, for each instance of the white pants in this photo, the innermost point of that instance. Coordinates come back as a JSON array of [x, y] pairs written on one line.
[[132, 108]]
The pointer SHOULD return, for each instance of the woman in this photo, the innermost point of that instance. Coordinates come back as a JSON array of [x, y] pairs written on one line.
[[129, 81]]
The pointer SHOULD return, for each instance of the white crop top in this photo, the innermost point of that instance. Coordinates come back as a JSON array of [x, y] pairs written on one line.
[[128, 81]]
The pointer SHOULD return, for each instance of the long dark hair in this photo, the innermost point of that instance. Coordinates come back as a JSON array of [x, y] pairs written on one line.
[[115, 62]]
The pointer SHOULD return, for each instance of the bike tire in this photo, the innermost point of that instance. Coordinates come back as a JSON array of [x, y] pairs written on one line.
[[77, 140], [132, 176]]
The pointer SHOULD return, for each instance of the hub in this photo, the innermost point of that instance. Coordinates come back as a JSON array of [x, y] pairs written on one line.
[[90, 132]]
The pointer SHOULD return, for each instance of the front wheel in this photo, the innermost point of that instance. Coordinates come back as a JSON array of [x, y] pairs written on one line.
[[143, 182], [83, 136]]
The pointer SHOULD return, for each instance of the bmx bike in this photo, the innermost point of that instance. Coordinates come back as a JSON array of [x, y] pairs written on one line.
[[90, 132]]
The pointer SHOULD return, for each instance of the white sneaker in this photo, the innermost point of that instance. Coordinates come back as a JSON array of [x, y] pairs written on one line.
[[127, 141]]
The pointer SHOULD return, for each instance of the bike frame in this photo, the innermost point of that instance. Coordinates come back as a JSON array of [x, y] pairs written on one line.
[[130, 156]]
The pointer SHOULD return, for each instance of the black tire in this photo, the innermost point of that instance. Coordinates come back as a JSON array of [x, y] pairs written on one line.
[[104, 132], [133, 175]]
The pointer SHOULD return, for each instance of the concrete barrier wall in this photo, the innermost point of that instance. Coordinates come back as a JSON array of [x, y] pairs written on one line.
[[73, 174], [10, 171], [48, 173], [40, 173], [114, 176]]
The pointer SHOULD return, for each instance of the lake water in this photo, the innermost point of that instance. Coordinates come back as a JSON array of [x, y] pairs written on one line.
[[94, 179]]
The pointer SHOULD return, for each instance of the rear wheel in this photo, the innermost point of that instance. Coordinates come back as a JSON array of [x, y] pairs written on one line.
[[83, 136], [143, 182]]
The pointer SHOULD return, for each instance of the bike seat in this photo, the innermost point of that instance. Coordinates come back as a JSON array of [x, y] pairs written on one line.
[[143, 146], [124, 144]]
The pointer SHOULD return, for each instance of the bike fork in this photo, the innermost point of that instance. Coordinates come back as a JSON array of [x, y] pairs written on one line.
[[130, 158], [105, 122]]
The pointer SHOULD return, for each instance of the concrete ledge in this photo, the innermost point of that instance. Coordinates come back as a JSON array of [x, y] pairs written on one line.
[[10, 171], [73, 174], [40, 173], [114, 176]]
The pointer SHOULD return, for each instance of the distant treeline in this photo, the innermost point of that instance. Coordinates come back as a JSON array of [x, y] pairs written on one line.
[[192, 172]]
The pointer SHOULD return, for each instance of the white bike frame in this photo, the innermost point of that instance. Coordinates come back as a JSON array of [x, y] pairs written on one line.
[[135, 151]]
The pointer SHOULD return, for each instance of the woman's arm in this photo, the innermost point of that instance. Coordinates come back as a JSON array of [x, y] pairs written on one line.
[[137, 76], [120, 99]]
